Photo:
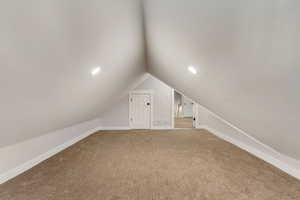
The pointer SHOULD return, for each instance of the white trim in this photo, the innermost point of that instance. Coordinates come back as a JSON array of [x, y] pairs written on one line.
[[195, 115], [173, 109], [35, 161], [148, 92], [135, 84], [142, 92], [277, 162], [281, 161], [184, 128], [114, 128], [161, 128], [241, 131], [259, 149]]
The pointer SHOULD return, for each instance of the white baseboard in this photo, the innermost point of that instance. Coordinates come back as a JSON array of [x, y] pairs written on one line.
[[35, 161], [280, 161], [161, 128], [115, 128], [128, 128]]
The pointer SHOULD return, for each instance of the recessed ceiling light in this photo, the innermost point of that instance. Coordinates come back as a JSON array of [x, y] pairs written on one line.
[[192, 69], [95, 71]]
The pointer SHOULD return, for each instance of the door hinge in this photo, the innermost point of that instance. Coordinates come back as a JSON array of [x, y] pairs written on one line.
[[130, 99]]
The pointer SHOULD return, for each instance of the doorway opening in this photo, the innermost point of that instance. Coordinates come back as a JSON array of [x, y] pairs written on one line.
[[185, 111]]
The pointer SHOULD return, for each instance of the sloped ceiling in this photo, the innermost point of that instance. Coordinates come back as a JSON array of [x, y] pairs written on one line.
[[47, 51], [247, 56]]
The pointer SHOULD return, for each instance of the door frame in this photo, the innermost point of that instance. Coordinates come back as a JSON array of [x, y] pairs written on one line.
[[196, 114], [173, 108], [195, 110], [147, 92]]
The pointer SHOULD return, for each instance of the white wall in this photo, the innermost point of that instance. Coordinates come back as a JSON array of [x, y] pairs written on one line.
[[119, 114], [247, 54], [20, 157], [47, 51], [223, 129]]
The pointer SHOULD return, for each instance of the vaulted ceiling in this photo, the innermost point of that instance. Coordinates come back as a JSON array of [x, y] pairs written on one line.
[[47, 51], [246, 54]]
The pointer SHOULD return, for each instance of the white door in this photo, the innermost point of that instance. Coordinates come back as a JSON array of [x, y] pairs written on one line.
[[140, 111]]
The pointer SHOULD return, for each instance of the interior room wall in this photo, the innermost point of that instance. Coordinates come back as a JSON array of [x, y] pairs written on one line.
[[215, 124], [48, 49], [247, 57], [118, 116], [20, 157]]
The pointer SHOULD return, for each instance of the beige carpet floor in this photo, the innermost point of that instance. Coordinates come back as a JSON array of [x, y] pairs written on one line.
[[152, 165], [183, 122]]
